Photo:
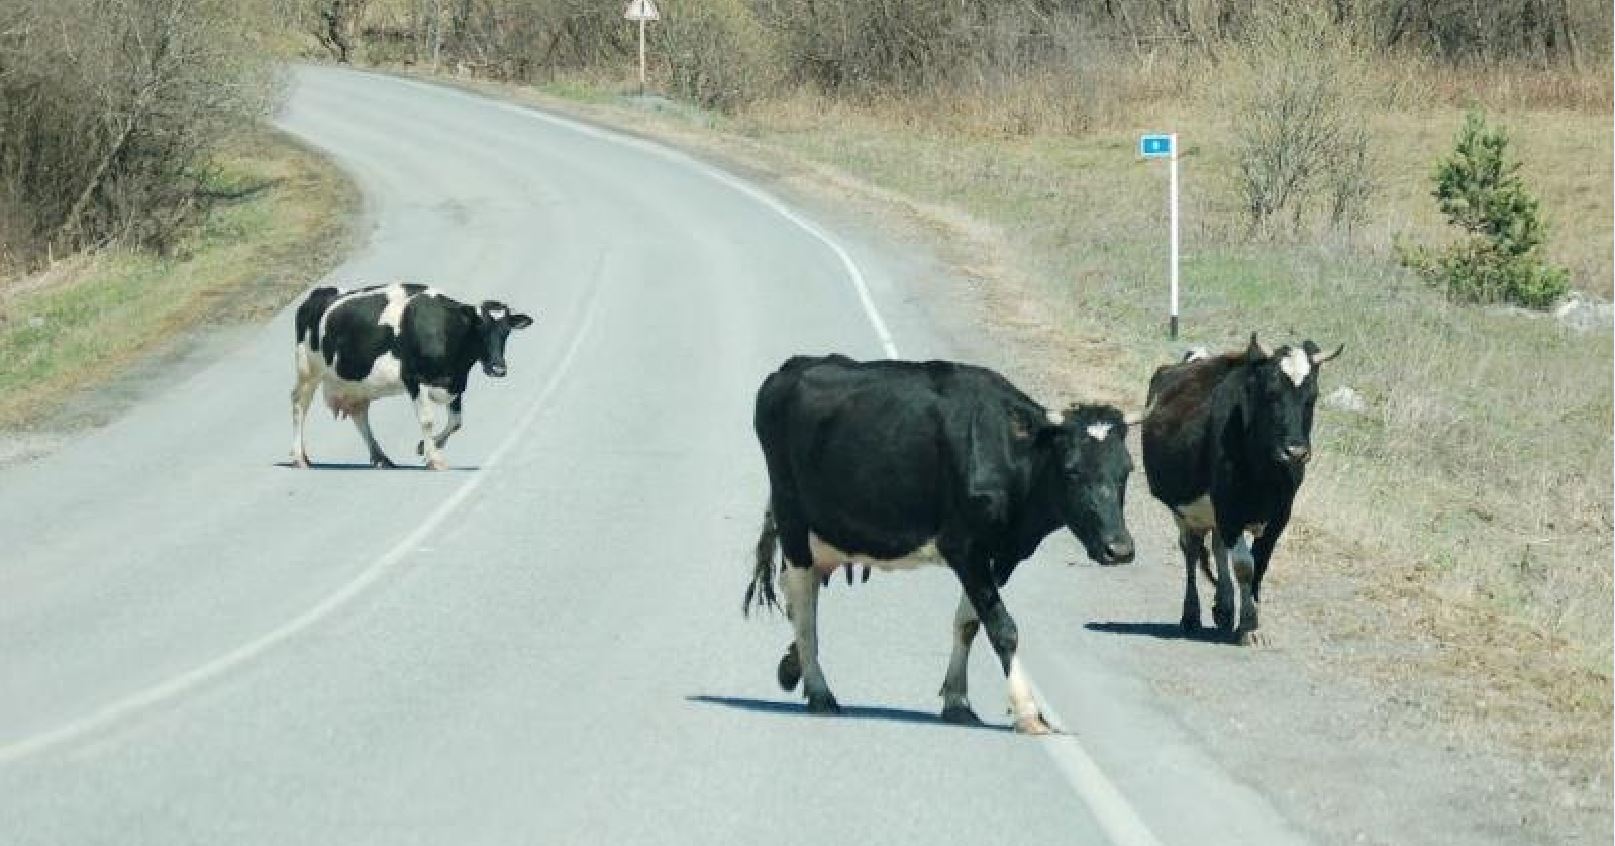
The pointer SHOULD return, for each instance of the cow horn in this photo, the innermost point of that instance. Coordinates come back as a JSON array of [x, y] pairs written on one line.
[[1133, 418], [1319, 358]]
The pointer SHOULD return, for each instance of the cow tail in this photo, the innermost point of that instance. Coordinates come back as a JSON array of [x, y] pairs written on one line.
[[761, 589]]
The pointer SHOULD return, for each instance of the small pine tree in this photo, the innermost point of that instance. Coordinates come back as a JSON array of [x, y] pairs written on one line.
[[1499, 260]]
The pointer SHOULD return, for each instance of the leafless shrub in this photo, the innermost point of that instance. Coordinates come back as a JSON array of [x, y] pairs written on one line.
[[1295, 97], [715, 52], [108, 110]]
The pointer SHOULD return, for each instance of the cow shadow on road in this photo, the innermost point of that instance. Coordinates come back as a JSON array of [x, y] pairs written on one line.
[[848, 712], [1161, 631], [340, 465]]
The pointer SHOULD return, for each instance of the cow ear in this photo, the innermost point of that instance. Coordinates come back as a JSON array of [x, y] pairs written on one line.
[[520, 321]]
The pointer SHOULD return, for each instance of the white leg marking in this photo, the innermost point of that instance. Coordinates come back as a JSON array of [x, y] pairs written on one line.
[[423, 411], [1021, 702], [802, 605]]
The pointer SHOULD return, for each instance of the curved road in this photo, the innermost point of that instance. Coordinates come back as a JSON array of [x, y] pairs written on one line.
[[543, 645]]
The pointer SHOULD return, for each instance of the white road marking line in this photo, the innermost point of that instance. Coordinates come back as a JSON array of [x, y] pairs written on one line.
[[1110, 808], [166, 690]]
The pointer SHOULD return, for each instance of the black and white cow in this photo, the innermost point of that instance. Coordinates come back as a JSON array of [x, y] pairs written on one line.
[[369, 343], [1226, 441], [895, 464]]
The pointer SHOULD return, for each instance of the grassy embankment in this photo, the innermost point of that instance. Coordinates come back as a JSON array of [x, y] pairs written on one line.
[[1467, 513], [281, 218]]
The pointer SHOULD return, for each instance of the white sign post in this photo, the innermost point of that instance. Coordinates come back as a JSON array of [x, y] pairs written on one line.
[[1166, 147], [642, 10]]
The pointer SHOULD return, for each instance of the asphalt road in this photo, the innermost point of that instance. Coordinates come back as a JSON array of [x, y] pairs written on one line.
[[544, 644]]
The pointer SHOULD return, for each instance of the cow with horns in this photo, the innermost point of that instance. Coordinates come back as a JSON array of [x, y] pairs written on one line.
[[1226, 440]]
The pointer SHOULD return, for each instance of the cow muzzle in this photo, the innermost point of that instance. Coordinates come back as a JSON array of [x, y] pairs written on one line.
[[1296, 455], [495, 370], [1118, 552]]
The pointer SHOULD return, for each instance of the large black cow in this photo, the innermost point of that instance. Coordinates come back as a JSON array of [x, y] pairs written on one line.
[[894, 464], [1226, 441], [373, 342]]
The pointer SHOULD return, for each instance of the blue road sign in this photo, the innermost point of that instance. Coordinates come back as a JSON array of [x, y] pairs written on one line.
[[1155, 146]]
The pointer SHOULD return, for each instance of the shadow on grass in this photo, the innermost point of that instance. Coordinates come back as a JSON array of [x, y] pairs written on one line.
[[339, 465], [848, 712], [237, 193], [1161, 631]]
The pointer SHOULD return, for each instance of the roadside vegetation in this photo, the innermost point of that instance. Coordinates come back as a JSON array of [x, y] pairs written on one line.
[[1464, 494], [141, 193]]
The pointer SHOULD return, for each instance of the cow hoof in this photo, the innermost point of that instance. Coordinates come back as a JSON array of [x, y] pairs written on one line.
[[1224, 616], [420, 447], [824, 704], [960, 715], [1191, 625], [382, 462], [300, 461], [437, 464], [1255, 639], [1033, 725], [790, 669]]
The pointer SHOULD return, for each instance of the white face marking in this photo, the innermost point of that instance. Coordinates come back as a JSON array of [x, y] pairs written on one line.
[[827, 558], [1098, 431], [1055, 417], [1296, 365], [1198, 516], [393, 314], [1196, 354], [497, 313]]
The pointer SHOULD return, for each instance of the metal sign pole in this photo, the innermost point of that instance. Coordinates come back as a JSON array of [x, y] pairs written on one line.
[[641, 56], [1173, 199]]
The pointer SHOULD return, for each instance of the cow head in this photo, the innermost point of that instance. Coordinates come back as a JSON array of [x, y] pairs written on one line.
[[1281, 394], [497, 322], [1089, 474]]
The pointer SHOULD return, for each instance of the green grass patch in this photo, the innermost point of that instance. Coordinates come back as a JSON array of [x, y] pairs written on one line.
[[281, 217]]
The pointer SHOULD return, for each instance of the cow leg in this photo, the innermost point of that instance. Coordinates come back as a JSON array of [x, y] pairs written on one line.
[[802, 605], [1005, 638], [1193, 545], [1245, 571], [955, 685], [1222, 608], [361, 419], [302, 396], [449, 428], [423, 412]]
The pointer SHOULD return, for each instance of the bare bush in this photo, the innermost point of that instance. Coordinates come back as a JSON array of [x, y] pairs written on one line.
[[715, 52], [1295, 96], [108, 111]]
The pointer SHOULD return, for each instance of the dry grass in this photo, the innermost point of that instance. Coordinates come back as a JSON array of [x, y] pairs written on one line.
[[86, 319]]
